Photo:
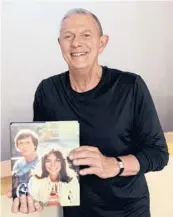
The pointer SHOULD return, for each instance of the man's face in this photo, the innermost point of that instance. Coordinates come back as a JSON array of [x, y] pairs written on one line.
[[80, 41], [26, 146]]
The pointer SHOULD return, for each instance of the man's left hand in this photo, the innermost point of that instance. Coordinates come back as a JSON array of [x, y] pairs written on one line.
[[98, 164]]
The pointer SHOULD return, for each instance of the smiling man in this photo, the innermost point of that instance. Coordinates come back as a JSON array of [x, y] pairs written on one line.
[[120, 134], [81, 41], [80, 30]]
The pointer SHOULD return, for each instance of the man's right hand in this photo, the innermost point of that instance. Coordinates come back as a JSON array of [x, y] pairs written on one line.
[[25, 204]]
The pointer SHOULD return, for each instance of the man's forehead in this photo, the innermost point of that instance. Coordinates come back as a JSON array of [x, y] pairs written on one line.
[[78, 28], [81, 22], [25, 138]]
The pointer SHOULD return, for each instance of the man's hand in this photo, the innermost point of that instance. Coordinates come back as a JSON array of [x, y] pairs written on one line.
[[99, 165], [24, 204]]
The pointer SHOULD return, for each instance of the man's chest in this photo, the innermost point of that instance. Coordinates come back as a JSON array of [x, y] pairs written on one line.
[[106, 124]]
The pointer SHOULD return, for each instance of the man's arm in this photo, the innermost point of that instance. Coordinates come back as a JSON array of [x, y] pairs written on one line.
[[150, 151]]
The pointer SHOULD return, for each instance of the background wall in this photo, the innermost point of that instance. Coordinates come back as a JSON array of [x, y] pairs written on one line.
[[141, 41]]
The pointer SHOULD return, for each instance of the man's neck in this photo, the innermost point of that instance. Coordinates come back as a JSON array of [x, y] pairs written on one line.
[[85, 80], [31, 157]]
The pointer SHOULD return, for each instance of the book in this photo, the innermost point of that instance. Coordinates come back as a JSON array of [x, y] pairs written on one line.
[[40, 162]]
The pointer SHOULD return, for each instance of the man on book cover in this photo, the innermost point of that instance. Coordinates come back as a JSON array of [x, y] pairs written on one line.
[[26, 142]]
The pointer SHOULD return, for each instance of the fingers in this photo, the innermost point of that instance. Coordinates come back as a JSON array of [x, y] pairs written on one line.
[[38, 206], [86, 148], [15, 205], [86, 161], [83, 154], [89, 171], [31, 207], [92, 157], [23, 204]]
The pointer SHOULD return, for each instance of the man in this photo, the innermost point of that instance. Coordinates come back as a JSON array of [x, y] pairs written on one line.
[[26, 142], [120, 134]]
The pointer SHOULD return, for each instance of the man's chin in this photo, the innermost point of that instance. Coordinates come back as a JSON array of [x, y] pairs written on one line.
[[79, 66], [27, 155]]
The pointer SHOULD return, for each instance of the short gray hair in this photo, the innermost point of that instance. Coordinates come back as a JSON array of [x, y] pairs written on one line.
[[83, 12]]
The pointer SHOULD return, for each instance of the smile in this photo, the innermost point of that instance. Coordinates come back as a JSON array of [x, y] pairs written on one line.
[[78, 54]]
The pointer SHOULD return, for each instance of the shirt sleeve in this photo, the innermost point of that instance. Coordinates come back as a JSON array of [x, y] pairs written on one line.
[[151, 148], [38, 109]]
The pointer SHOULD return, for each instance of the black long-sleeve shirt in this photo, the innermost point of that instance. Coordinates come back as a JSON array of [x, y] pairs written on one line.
[[117, 116]]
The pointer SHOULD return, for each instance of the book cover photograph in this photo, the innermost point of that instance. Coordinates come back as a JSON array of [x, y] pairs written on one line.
[[40, 163]]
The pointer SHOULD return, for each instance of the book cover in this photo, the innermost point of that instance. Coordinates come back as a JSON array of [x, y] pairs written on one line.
[[40, 164]]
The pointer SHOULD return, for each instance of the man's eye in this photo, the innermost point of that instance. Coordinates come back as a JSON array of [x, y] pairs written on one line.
[[67, 36], [87, 35]]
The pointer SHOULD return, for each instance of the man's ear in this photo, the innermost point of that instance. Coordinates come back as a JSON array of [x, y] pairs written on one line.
[[103, 42]]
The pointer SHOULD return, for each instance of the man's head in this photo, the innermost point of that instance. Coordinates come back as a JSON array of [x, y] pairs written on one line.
[[81, 39], [26, 142]]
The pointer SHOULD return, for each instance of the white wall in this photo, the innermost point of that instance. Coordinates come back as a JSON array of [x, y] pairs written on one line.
[[141, 40]]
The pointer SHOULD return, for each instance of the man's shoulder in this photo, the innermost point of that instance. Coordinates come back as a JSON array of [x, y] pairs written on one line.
[[54, 78], [123, 73], [52, 83], [19, 163], [121, 76]]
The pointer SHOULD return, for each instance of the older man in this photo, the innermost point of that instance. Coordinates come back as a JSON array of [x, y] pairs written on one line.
[[121, 137]]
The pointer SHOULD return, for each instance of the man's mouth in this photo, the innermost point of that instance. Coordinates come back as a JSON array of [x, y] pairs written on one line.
[[78, 54]]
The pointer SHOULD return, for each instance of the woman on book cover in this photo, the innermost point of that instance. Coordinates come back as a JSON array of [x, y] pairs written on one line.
[[54, 186]]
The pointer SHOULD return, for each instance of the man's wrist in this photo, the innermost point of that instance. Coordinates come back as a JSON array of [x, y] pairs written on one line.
[[120, 165]]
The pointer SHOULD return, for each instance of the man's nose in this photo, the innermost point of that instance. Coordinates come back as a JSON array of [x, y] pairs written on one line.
[[75, 42]]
